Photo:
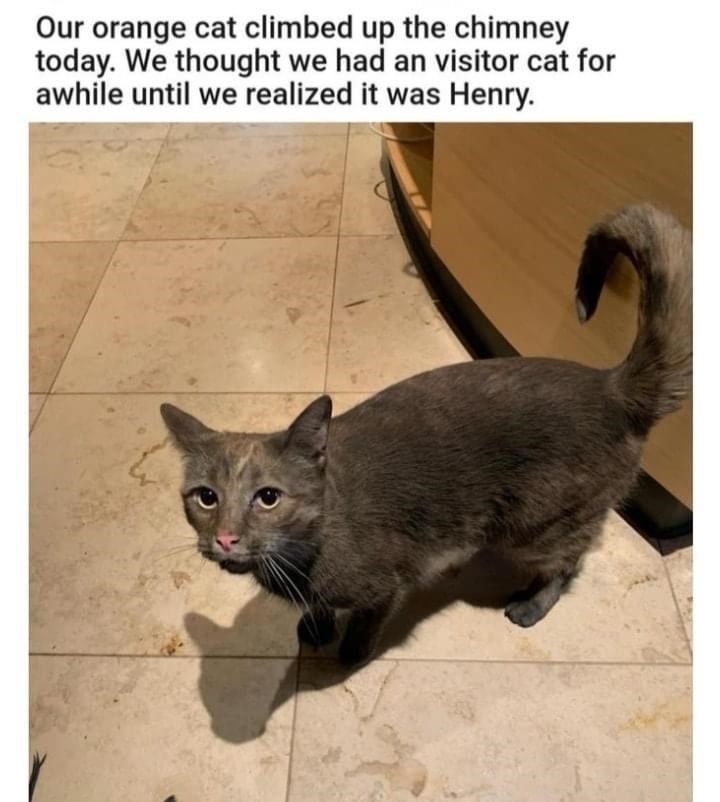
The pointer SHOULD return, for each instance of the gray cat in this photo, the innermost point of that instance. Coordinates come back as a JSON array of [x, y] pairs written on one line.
[[525, 455]]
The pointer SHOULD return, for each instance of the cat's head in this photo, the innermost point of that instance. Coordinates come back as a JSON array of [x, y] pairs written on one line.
[[254, 496]]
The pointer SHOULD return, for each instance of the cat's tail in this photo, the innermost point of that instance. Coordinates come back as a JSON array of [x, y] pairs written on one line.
[[657, 373]]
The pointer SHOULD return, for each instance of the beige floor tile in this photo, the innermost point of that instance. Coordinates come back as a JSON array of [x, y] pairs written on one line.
[[208, 316], [63, 279], [86, 190], [58, 132], [385, 325], [248, 187], [679, 566], [620, 609], [142, 729], [500, 732], [366, 207], [36, 404], [113, 563], [234, 130]]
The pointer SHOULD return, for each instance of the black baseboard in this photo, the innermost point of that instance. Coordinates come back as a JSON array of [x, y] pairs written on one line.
[[651, 508]]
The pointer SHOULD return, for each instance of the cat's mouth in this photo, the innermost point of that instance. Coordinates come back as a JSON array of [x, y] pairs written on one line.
[[240, 566]]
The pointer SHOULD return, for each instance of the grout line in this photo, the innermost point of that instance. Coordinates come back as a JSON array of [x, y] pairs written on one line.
[[287, 135], [60, 393], [39, 412], [72, 241], [126, 656], [288, 779], [337, 252], [677, 606], [508, 662], [80, 141], [107, 266], [111, 256], [329, 659], [163, 143], [182, 239], [161, 138], [209, 239]]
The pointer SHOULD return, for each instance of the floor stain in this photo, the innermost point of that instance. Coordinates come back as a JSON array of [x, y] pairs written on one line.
[[294, 314], [173, 644], [403, 774], [332, 755], [651, 654], [240, 209], [640, 581], [673, 715], [530, 650], [62, 158], [381, 690], [135, 467], [116, 146], [467, 793], [179, 578], [180, 320]]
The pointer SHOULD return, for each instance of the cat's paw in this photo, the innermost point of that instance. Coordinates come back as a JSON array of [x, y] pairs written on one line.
[[355, 653], [525, 613], [316, 631]]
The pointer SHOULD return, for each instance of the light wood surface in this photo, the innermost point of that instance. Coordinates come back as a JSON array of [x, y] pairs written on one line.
[[511, 204], [413, 165]]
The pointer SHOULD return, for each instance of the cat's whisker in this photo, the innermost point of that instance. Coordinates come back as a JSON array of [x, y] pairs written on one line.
[[291, 564], [264, 571], [302, 598], [273, 569], [165, 557], [282, 576], [316, 593], [175, 550]]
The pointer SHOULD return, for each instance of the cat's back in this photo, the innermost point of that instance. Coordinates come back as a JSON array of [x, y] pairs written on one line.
[[485, 407]]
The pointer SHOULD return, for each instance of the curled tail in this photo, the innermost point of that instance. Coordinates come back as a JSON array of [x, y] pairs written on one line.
[[657, 373]]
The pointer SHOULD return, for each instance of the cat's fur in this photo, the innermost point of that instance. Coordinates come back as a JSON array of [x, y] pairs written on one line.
[[527, 455]]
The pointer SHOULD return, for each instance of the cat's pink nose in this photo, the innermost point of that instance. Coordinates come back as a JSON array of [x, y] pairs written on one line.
[[226, 540]]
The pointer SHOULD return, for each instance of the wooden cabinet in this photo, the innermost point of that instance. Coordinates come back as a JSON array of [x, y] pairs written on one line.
[[506, 207]]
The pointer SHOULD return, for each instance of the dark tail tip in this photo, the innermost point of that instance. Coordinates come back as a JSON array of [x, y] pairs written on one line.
[[599, 253]]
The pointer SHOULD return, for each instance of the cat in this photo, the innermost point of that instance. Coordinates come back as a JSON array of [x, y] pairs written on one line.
[[524, 455]]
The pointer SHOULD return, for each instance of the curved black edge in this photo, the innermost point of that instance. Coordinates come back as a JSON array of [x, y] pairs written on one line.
[[651, 509]]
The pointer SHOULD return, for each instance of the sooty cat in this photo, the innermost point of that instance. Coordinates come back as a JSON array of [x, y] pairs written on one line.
[[525, 455]]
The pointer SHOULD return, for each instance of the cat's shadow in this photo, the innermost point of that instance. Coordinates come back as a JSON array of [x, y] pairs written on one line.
[[239, 695]]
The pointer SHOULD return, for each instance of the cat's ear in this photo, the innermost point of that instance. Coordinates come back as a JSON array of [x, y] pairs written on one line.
[[187, 432], [308, 434]]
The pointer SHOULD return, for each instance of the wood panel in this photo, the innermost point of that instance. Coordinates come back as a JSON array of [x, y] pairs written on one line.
[[511, 206], [411, 154]]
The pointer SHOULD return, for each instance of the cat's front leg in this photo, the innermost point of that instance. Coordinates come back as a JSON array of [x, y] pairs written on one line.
[[317, 626], [363, 633]]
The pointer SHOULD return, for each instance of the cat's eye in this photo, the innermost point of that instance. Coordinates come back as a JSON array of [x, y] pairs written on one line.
[[268, 497], [206, 498]]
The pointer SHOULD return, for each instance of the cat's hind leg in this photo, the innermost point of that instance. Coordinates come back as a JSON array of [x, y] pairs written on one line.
[[530, 606], [554, 574]]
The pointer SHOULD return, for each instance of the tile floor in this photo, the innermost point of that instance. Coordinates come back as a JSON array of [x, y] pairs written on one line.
[[220, 267]]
